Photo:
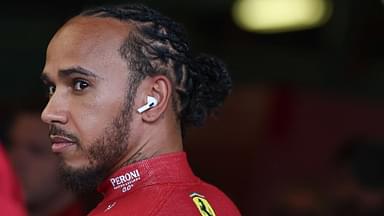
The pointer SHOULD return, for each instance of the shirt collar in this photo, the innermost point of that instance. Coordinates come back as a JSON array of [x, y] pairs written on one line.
[[167, 168]]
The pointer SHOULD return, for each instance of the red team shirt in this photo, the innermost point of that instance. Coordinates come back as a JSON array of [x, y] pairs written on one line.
[[10, 192], [161, 186]]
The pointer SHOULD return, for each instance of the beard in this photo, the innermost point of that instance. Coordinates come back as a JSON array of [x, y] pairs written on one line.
[[102, 154]]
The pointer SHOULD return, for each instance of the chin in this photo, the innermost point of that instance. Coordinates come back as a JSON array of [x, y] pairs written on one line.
[[76, 165], [75, 162], [82, 177]]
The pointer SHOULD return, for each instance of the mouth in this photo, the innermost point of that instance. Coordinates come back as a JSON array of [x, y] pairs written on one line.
[[60, 143]]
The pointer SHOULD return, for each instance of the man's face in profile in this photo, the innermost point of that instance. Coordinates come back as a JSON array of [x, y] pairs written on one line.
[[88, 111]]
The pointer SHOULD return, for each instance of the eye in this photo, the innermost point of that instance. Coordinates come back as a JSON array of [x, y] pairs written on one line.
[[51, 90], [80, 85]]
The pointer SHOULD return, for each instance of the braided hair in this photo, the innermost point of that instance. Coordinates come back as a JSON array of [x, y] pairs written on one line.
[[159, 46]]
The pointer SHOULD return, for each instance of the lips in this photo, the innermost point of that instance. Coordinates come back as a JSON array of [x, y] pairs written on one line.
[[60, 143]]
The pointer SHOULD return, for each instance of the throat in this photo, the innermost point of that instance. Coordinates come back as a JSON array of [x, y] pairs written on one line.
[[138, 156]]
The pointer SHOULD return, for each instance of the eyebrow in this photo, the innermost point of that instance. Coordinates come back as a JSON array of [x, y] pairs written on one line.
[[70, 71], [77, 70], [44, 77]]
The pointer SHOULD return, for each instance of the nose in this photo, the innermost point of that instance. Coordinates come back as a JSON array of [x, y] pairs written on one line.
[[55, 111]]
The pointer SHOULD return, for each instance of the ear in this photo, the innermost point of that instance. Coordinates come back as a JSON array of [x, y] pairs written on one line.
[[160, 88]]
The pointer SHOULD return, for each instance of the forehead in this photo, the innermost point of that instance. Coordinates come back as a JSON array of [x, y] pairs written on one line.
[[86, 41]]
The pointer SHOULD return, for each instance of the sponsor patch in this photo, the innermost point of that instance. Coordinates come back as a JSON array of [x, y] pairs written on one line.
[[202, 205], [126, 181]]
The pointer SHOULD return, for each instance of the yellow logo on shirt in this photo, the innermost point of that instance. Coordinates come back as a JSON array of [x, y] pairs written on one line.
[[202, 205]]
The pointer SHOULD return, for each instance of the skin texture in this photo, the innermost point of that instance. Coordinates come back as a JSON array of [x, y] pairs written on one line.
[[37, 166], [89, 108]]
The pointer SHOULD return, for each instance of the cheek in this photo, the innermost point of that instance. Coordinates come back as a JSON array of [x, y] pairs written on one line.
[[93, 115]]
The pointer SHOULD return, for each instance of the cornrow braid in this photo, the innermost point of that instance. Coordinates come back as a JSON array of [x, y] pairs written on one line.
[[159, 46]]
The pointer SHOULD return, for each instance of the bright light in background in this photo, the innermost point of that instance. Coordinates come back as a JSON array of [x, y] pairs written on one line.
[[270, 16]]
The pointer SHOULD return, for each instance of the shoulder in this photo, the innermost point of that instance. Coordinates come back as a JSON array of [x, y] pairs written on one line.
[[10, 192], [144, 201], [191, 199], [198, 199]]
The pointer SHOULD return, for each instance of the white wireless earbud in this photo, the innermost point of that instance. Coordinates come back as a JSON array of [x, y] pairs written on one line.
[[151, 102]]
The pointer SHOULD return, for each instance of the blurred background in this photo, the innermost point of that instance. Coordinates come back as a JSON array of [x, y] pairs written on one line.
[[302, 131]]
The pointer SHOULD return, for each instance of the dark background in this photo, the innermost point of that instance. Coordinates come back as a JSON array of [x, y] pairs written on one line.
[[298, 96]]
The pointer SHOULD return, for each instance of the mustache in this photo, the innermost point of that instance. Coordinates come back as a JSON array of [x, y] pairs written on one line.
[[56, 131]]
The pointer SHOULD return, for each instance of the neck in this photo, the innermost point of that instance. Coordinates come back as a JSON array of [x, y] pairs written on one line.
[[156, 140]]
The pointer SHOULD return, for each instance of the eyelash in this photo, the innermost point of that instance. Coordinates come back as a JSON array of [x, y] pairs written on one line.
[[80, 85], [51, 90]]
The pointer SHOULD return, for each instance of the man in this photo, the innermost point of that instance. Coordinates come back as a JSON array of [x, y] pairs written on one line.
[[37, 167], [123, 85]]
